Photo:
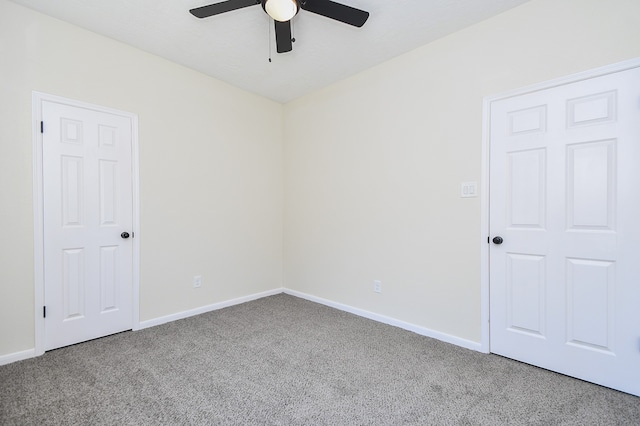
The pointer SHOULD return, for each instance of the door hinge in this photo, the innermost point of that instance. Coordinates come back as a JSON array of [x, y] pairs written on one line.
[[42, 127], [44, 312], [133, 235], [488, 241]]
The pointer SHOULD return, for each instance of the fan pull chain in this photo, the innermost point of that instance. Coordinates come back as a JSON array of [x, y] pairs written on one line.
[[269, 39]]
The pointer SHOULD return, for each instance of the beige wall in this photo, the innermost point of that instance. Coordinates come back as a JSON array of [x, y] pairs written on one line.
[[373, 164], [210, 182]]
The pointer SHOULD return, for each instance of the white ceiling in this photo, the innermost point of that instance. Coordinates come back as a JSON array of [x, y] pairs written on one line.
[[234, 46]]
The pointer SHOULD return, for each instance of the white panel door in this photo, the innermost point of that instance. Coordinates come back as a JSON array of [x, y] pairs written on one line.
[[88, 270], [565, 198]]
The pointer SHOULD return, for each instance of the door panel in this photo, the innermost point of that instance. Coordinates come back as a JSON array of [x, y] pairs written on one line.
[[527, 189], [565, 283], [526, 293], [590, 303], [591, 169], [88, 203]]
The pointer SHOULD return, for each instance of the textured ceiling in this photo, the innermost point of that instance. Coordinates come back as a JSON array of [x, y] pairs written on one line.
[[234, 47]]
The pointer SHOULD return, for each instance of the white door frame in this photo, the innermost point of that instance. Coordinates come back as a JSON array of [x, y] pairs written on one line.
[[485, 344], [38, 208]]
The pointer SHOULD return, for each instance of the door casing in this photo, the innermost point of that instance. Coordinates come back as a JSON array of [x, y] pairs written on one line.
[[485, 344], [38, 209]]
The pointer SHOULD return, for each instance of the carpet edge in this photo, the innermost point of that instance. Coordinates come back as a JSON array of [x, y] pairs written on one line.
[[423, 331]]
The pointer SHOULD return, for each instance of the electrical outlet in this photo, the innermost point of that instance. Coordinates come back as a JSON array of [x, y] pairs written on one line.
[[197, 281], [377, 286]]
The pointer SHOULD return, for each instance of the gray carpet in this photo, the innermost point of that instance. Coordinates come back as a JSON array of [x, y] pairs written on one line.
[[286, 361]]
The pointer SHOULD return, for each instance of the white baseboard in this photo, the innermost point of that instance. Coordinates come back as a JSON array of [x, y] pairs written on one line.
[[17, 356], [390, 321], [208, 308], [30, 353]]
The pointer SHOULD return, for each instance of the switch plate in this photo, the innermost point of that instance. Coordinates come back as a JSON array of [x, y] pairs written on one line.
[[468, 189], [197, 281], [377, 286]]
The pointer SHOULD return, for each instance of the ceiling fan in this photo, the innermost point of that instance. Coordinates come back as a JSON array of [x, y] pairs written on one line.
[[282, 11]]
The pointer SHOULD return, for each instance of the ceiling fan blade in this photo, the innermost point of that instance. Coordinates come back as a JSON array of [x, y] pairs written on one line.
[[339, 12], [224, 6], [283, 37]]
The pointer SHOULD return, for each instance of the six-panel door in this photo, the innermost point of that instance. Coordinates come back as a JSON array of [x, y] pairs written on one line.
[[565, 283], [87, 205]]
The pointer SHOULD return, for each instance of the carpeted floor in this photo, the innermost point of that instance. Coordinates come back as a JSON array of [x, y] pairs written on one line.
[[286, 361]]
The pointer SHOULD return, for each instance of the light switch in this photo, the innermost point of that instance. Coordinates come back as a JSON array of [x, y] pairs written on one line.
[[468, 189]]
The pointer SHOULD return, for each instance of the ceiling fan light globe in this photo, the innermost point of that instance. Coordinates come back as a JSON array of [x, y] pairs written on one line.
[[281, 10]]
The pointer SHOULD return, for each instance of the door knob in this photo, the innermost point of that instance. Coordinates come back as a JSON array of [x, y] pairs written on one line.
[[126, 235], [497, 240]]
